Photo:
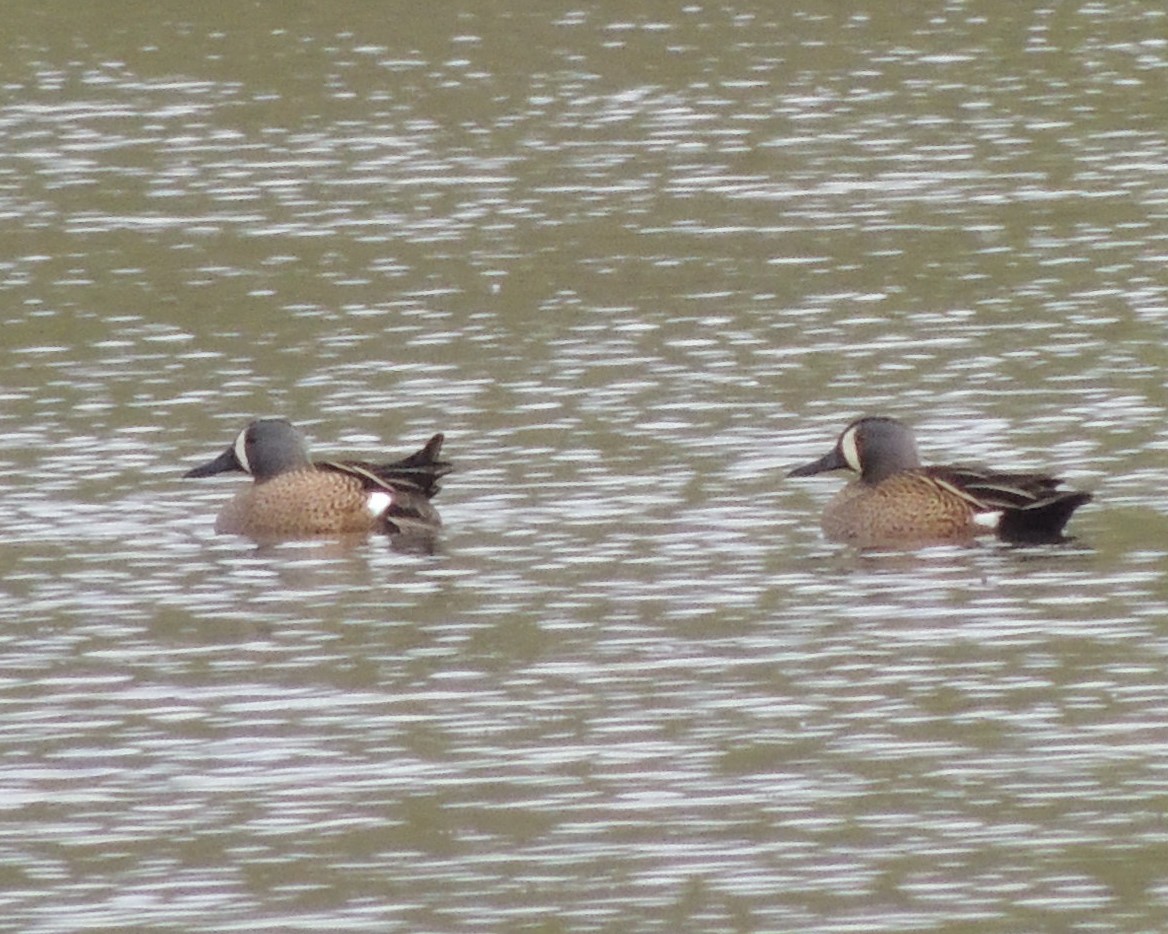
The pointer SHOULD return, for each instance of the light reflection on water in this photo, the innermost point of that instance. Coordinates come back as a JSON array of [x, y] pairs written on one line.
[[633, 685]]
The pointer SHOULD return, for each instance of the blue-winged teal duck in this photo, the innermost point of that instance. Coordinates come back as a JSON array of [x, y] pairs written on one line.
[[293, 496], [896, 501]]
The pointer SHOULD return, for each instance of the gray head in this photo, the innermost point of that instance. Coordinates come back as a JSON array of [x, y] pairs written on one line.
[[265, 448], [874, 447]]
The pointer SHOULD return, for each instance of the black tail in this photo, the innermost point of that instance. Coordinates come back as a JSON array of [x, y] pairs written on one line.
[[1041, 521], [422, 469]]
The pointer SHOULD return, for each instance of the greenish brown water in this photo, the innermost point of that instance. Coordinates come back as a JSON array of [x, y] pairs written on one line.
[[635, 266]]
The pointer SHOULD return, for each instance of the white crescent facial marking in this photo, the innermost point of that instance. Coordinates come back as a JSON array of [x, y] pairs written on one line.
[[851, 450], [241, 450], [377, 503]]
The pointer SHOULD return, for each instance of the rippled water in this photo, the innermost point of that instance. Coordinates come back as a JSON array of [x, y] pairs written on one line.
[[635, 268]]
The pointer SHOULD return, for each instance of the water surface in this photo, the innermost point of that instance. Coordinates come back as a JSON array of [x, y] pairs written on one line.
[[635, 267]]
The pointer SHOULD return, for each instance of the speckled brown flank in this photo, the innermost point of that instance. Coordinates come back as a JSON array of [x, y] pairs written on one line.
[[907, 507], [300, 503]]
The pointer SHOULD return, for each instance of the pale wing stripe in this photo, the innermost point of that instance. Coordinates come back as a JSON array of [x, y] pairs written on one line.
[[965, 495], [1005, 490], [394, 485]]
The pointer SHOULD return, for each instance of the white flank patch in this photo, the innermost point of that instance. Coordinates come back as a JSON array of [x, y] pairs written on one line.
[[377, 503], [987, 520], [851, 450], [241, 450]]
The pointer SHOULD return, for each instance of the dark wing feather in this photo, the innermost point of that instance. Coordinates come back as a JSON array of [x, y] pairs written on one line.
[[419, 473], [998, 490], [1033, 507]]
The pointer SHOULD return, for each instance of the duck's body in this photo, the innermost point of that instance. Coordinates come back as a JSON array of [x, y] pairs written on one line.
[[895, 501], [293, 496]]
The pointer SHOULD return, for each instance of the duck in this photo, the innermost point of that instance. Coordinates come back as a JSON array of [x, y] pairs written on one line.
[[894, 500]]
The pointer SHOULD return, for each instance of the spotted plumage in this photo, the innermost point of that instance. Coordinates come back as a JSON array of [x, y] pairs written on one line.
[[293, 496], [896, 501]]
